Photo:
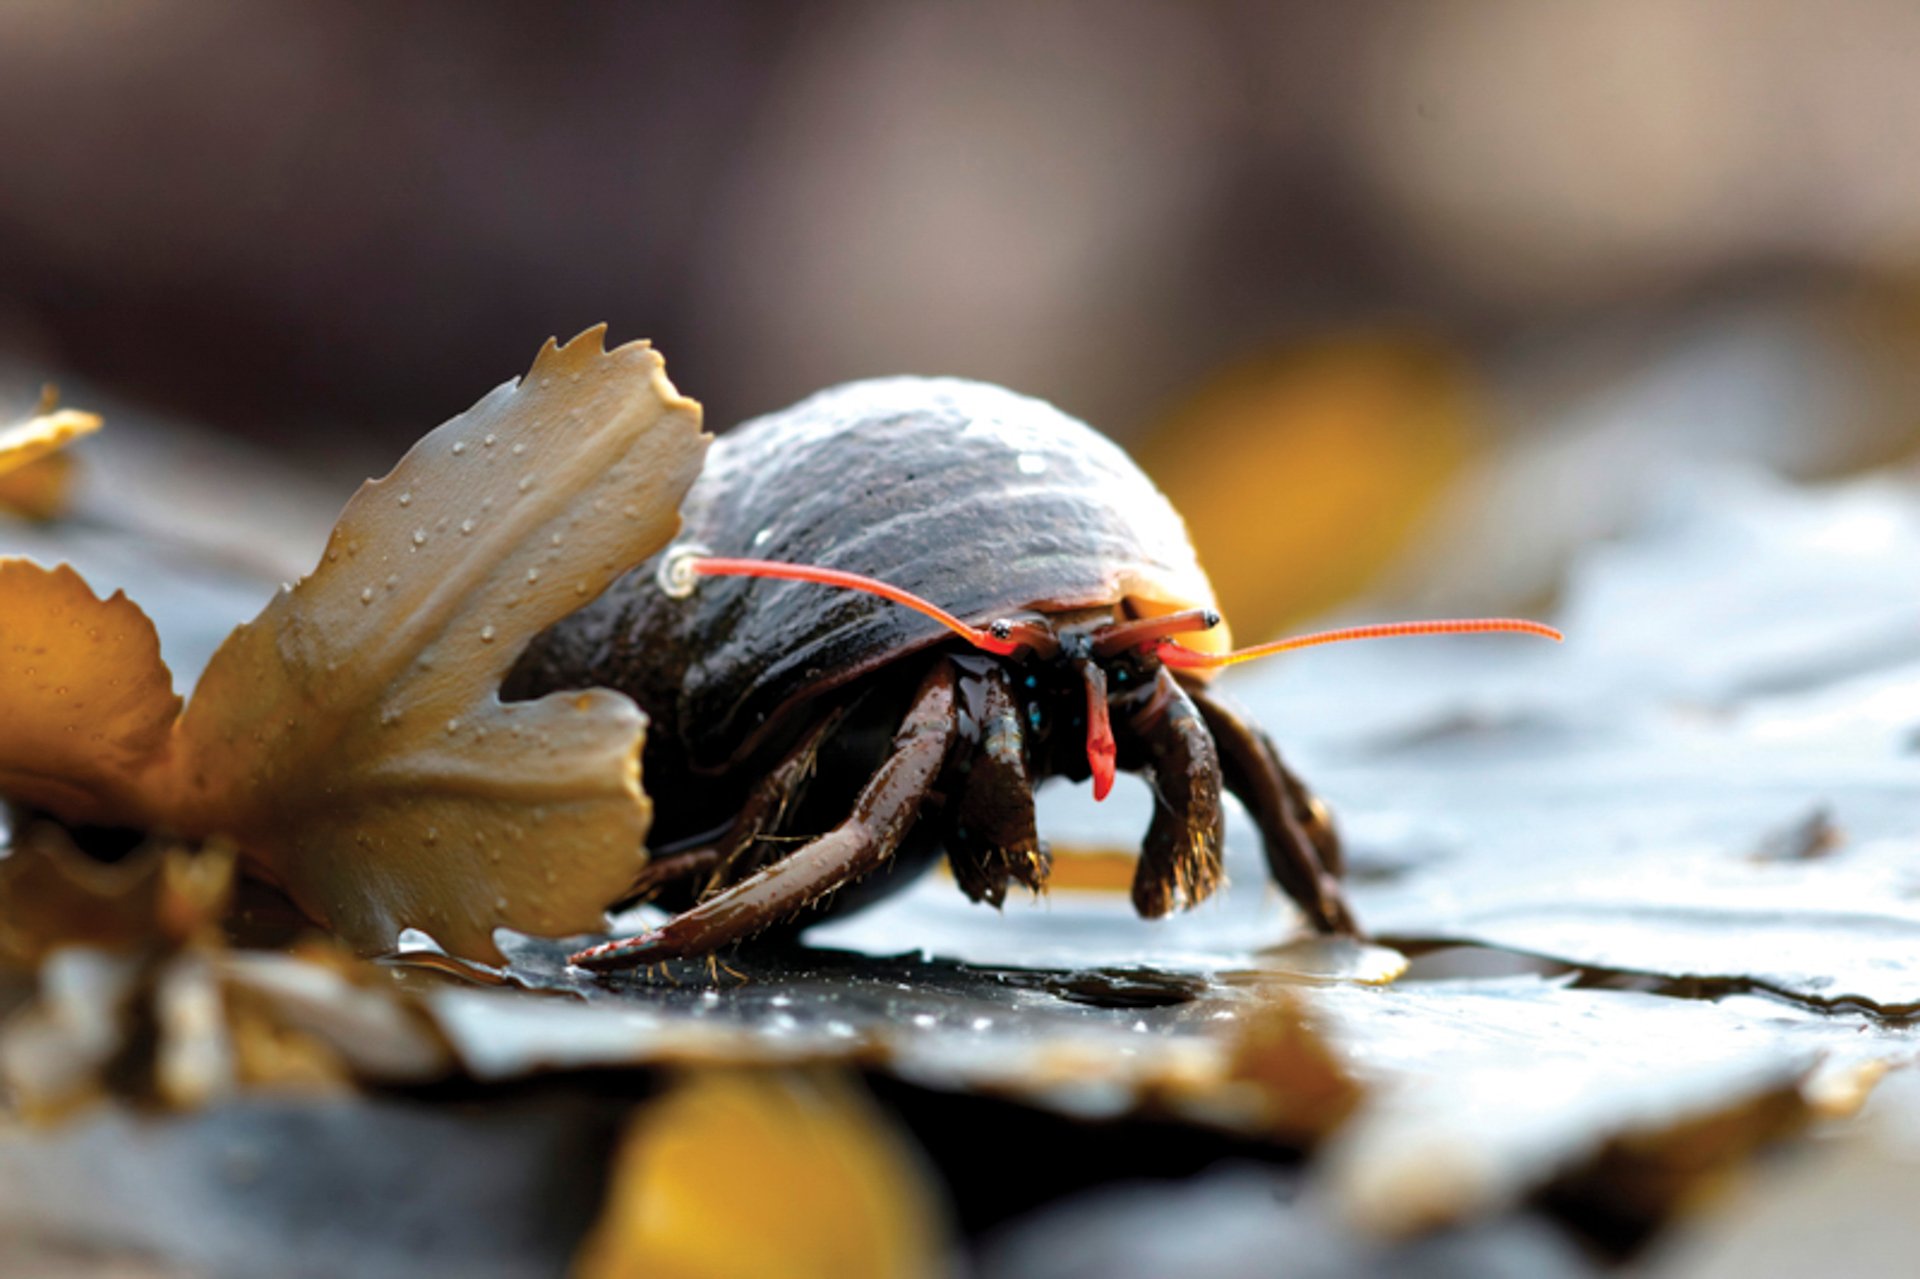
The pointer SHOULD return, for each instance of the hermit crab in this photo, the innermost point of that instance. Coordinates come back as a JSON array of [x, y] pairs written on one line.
[[892, 611]]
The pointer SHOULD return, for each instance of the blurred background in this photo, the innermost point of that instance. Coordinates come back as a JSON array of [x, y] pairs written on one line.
[[1414, 297], [1406, 305]]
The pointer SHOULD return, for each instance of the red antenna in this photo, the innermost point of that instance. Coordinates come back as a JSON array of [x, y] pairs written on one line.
[[1178, 655], [1002, 638], [1154, 635]]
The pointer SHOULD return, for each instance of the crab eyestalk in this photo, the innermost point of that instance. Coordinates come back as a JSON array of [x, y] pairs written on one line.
[[1122, 636], [1030, 633]]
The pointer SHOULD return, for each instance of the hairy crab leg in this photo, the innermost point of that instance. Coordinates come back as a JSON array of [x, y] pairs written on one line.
[[881, 817], [992, 837], [671, 869], [740, 851], [1180, 857], [1303, 851], [720, 859]]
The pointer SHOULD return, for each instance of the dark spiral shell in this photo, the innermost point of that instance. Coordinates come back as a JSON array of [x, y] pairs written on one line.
[[987, 502]]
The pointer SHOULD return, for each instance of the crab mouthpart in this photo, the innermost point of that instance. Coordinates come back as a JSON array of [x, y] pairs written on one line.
[[1100, 748]]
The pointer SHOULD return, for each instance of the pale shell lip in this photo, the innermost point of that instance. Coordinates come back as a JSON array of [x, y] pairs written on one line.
[[675, 576], [1154, 596]]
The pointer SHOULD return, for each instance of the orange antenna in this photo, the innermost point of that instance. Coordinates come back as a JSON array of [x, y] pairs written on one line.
[[1002, 638], [1177, 655]]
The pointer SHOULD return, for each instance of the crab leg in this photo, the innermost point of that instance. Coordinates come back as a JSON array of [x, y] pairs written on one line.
[[741, 851], [992, 837], [881, 817], [726, 858], [661, 872], [1315, 818], [1303, 850], [1180, 858]]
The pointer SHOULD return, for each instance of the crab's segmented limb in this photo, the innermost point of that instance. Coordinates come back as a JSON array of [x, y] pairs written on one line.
[[1121, 636], [1180, 859], [992, 837], [1303, 851], [743, 849], [1311, 814], [881, 818], [671, 869]]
